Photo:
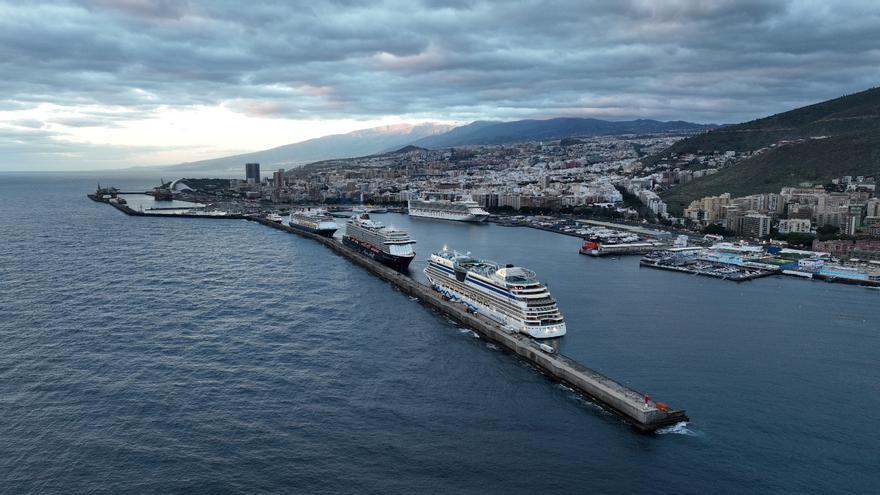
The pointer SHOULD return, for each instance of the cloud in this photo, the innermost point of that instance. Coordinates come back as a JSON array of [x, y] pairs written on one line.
[[718, 61]]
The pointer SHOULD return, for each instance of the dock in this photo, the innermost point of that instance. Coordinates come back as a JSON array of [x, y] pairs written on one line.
[[706, 269], [634, 407], [182, 212]]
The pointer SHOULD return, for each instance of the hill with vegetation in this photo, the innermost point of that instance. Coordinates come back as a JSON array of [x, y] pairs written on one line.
[[487, 132], [815, 143], [357, 143]]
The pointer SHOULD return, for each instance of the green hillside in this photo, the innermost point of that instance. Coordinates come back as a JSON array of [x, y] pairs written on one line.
[[817, 160], [849, 125]]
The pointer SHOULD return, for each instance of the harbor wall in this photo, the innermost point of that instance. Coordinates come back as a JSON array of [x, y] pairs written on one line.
[[627, 403], [617, 397]]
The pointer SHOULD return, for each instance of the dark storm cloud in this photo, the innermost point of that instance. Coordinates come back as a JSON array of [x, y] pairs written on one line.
[[699, 60]]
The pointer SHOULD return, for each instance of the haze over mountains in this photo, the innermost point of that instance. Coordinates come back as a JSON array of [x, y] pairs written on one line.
[[821, 142], [482, 132], [430, 135], [357, 143]]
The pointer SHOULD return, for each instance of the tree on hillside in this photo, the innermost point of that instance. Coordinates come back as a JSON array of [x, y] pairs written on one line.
[[716, 229]]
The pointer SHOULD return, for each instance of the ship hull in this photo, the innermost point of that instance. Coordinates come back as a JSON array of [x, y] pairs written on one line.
[[321, 232], [457, 291], [400, 263]]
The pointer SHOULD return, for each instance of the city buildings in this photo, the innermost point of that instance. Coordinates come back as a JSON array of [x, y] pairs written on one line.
[[850, 209], [756, 225], [795, 226], [252, 173], [277, 179], [602, 175]]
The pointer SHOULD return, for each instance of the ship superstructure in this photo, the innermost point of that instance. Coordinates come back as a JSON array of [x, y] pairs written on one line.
[[314, 220], [509, 294], [463, 211], [390, 246]]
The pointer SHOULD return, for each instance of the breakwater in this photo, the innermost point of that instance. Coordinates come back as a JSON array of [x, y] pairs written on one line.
[[634, 407], [182, 212]]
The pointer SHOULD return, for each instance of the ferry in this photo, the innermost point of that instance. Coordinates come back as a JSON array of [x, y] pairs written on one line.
[[274, 217], [595, 248], [387, 245], [461, 211], [313, 220], [510, 295]]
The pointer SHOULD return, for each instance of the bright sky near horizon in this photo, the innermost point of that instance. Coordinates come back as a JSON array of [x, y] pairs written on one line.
[[99, 84]]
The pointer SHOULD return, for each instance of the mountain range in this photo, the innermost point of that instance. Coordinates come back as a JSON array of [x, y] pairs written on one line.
[[430, 135], [815, 143], [487, 132], [357, 143]]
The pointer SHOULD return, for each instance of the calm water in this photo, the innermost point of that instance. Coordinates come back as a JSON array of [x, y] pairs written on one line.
[[185, 355]]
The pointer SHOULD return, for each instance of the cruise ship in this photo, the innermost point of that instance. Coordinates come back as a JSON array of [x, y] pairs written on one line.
[[386, 245], [510, 295], [314, 220], [462, 211]]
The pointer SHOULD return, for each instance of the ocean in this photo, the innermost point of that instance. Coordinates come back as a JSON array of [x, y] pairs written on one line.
[[220, 356]]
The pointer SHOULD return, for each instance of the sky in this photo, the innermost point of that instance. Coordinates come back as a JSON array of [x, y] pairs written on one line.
[[104, 84]]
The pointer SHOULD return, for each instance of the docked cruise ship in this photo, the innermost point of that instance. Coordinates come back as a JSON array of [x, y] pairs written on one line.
[[314, 220], [462, 211], [387, 245], [510, 295]]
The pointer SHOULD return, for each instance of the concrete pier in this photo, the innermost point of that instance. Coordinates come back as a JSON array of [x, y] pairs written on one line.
[[615, 396], [743, 275], [124, 208], [631, 405]]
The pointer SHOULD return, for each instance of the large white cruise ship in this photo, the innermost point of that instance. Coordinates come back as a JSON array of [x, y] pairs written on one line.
[[314, 220], [510, 295], [462, 211], [388, 245]]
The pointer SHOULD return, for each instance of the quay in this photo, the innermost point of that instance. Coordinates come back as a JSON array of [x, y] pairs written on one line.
[[623, 226], [736, 274], [182, 212], [635, 408]]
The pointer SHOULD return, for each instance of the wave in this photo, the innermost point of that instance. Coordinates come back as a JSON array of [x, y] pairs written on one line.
[[678, 429]]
